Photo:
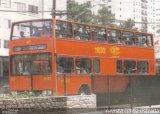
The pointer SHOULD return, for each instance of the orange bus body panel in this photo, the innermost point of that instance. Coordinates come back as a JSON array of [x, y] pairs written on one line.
[[20, 83], [73, 83], [42, 83]]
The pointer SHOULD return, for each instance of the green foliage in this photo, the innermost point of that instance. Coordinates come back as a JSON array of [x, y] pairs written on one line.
[[83, 13], [106, 17], [79, 12], [129, 24]]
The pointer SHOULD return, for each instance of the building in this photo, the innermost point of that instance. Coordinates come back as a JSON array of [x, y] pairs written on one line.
[[157, 20], [141, 11]]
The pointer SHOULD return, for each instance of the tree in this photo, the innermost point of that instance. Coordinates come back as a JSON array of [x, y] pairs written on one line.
[[79, 12], [105, 16], [129, 24]]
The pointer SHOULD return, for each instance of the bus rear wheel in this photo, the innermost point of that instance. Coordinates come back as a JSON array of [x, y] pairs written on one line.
[[84, 90]]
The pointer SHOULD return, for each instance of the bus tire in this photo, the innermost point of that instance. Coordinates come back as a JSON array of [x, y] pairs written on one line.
[[84, 89]]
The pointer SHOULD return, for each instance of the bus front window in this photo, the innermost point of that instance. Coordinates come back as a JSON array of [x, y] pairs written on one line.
[[31, 64], [32, 29]]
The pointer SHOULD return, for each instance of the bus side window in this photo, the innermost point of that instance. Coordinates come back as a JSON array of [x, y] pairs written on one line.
[[150, 41], [130, 67], [141, 40], [64, 65], [96, 66], [83, 66], [98, 34], [82, 32], [63, 29], [142, 67], [119, 66], [128, 38], [114, 36]]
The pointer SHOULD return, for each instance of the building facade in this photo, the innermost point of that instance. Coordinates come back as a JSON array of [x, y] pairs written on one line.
[[141, 11]]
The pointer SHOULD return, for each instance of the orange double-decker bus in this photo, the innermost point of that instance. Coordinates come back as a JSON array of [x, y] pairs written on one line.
[[42, 52]]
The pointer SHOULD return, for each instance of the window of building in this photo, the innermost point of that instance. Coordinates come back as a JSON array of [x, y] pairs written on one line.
[[33, 9], [96, 65], [119, 66], [64, 65], [7, 3], [63, 29], [82, 32], [142, 67], [6, 43], [114, 36], [98, 34], [130, 67], [128, 38], [21, 7], [109, 6], [83, 66]]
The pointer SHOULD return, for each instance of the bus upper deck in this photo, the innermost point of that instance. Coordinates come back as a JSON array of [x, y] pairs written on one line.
[[81, 32]]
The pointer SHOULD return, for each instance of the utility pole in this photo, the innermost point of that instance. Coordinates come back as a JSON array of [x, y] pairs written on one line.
[[54, 9], [57, 12]]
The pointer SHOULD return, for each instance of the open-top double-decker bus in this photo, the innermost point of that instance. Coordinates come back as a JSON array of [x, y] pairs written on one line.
[[43, 51]]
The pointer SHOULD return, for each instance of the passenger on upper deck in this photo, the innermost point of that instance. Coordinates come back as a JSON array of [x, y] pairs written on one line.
[[45, 32], [22, 34], [144, 43], [36, 32]]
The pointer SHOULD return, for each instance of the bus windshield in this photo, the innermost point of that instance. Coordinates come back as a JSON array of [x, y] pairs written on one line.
[[32, 29], [31, 64]]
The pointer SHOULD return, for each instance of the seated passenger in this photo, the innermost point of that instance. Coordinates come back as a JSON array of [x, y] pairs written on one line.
[[21, 34], [128, 41], [94, 36], [84, 71], [60, 69], [77, 35], [45, 32], [36, 33], [144, 44]]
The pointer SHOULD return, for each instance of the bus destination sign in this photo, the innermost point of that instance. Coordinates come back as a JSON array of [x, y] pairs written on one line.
[[29, 48]]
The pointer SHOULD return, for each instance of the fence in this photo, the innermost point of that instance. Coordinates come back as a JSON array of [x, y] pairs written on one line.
[[130, 90]]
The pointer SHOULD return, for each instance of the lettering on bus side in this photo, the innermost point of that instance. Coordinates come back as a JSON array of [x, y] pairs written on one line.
[[100, 50]]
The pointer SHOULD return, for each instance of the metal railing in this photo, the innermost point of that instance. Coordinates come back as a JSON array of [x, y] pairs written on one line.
[[129, 90]]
